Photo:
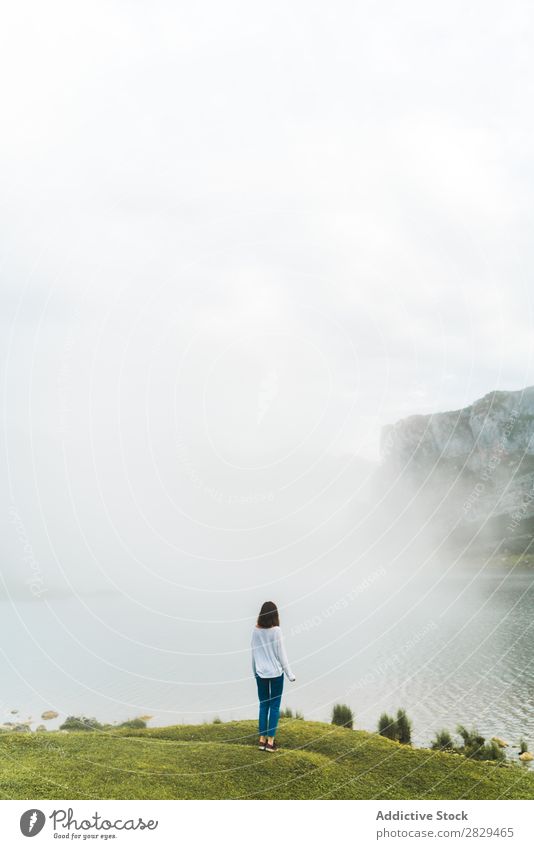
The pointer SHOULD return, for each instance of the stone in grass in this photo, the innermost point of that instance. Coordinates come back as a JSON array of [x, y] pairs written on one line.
[[526, 756], [500, 742], [49, 714]]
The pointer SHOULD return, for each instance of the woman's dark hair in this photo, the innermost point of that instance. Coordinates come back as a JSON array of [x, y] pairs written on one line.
[[268, 616]]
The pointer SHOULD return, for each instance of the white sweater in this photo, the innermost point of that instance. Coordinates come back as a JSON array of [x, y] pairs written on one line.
[[269, 659]]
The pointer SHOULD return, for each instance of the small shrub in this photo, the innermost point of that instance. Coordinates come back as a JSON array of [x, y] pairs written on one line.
[[387, 727], [286, 713], [299, 715], [133, 723], [442, 741], [464, 733], [476, 748], [523, 746], [472, 738], [217, 720], [403, 727], [342, 715], [399, 729], [488, 752], [81, 723]]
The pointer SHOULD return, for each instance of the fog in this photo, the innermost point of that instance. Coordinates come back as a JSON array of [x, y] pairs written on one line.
[[237, 241]]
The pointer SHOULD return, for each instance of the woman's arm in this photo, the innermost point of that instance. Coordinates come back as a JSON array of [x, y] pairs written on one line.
[[253, 661], [282, 657]]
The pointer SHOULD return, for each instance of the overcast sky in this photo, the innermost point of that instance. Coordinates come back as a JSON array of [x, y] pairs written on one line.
[[333, 197], [237, 239]]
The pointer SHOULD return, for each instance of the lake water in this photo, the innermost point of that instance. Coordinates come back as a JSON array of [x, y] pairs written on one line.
[[448, 643]]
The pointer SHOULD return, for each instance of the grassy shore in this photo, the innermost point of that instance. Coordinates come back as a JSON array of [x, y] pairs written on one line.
[[221, 761]]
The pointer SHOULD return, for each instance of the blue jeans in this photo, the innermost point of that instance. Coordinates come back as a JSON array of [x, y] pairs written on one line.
[[270, 696]]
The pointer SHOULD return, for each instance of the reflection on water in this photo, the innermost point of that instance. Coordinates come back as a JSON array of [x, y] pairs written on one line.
[[475, 666]]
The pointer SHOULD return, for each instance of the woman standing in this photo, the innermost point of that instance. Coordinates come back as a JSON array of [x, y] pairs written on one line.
[[269, 662]]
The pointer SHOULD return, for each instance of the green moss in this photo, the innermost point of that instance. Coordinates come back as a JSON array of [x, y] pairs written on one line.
[[221, 761]]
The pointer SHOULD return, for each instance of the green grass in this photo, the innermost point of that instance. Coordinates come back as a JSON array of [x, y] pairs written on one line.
[[222, 761]]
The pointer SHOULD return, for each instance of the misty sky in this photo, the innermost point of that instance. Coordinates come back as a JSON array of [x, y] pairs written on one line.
[[237, 239]]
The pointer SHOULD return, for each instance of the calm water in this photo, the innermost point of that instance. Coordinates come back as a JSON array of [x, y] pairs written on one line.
[[448, 644]]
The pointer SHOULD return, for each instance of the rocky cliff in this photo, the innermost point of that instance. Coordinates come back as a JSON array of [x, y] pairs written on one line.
[[469, 471]]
